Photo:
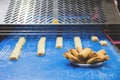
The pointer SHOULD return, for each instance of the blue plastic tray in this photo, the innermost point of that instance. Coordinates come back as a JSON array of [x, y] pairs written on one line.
[[53, 66]]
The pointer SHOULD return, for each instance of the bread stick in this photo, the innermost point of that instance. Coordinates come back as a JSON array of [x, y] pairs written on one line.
[[41, 46], [59, 42]]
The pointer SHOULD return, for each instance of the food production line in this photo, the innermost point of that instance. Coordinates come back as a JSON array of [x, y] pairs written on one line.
[[34, 34]]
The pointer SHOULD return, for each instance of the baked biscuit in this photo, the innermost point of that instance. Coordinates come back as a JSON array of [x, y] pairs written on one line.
[[76, 60], [93, 54], [72, 58], [101, 52], [104, 57], [68, 55], [93, 60], [81, 57], [97, 59], [86, 52], [73, 52]]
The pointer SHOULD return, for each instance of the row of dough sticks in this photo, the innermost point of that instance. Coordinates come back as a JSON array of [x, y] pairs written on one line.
[[41, 46]]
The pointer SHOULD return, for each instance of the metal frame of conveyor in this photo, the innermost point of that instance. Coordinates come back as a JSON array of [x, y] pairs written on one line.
[[58, 12]]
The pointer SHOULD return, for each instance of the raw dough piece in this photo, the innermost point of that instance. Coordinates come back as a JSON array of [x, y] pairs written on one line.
[[94, 38], [22, 40], [16, 52], [59, 42], [77, 42], [41, 46], [19, 46], [103, 43]]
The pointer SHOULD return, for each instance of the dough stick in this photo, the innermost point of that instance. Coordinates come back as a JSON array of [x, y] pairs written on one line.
[[18, 46], [59, 42], [21, 41], [41, 46], [77, 42], [16, 52], [94, 38], [103, 43]]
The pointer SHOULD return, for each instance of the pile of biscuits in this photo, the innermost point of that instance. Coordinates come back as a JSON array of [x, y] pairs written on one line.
[[86, 56]]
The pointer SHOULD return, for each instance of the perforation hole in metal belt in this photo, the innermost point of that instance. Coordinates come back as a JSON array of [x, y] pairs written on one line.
[[43, 11]]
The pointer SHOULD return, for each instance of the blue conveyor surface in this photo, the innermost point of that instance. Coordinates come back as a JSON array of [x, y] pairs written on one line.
[[53, 66]]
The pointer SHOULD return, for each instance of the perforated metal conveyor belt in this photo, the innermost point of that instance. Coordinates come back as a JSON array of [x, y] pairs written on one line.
[[48, 12]]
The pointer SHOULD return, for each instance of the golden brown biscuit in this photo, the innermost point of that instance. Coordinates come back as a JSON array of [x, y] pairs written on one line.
[[86, 52], [101, 52], [69, 51], [93, 60], [98, 59], [76, 60], [72, 58], [68, 55], [86, 56], [103, 57], [93, 54], [73, 52], [107, 57], [81, 57]]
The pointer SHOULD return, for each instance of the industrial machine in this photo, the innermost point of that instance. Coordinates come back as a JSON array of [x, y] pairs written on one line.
[[34, 19]]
